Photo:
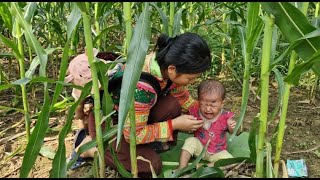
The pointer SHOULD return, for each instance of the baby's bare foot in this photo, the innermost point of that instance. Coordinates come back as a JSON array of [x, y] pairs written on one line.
[[165, 146]]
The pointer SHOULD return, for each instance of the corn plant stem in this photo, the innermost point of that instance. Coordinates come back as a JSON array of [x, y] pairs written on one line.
[[285, 102], [316, 13], [96, 23], [314, 86], [282, 121], [171, 19], [23, 87], [127, 20], [264, 76], [247, 66], [223, 40], [133, 149], [191, 16], [89, 50]]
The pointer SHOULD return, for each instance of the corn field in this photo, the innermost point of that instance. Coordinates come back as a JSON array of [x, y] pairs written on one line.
[[266, 53]]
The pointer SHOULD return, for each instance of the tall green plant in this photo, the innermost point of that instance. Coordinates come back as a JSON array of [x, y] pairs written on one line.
[[127, 20], [264, 80], [20, 57], [249, 38], [171, 18], [97, 24], [84, 7], [23, 87], [133, 154], [294, 25], [37, 136], [136, 54], [284, 108]]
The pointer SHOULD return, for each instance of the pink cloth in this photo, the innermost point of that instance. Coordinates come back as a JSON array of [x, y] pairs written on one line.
[[79, 72], [217, 129]]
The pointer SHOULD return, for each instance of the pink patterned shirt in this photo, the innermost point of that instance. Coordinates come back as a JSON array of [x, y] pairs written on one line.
[[217, 129]]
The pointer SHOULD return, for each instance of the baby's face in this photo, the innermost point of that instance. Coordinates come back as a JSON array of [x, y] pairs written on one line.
[[210, 104]]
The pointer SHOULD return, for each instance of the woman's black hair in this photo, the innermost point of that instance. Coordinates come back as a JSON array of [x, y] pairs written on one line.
[[188, 52]]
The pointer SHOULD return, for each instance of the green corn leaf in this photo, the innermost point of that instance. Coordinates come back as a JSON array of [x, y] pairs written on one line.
[[279, 78], [208, 172], [59, 165], [62, 105], [95, 166], [6, 17], [12, 45], [56, 27], [37, 79], [47, 152], [249, 40], [274, 44], [294, 25], [136, 54], [239, 147], [177, 23], [73, 19], [24, 81], [164, 18], [11, 108], [252, 141], [36, 61], [294, 44], [6, 86], [269, 168], [298, 70], [107, 103], [36, 139], [225, 162], [253, 26], [119, 15], [29, 11], [82, 7], [7, 54], [104, 32], [31, 39], [63, 70], [103, 7], [242, 33]]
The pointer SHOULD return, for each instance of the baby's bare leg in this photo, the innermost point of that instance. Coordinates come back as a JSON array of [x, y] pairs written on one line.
[[89, 153], [185, 156]]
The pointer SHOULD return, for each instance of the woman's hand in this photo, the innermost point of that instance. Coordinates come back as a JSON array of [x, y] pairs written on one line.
[[186, 123]]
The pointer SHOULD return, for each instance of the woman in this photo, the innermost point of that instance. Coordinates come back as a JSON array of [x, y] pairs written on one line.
[[176, 63]]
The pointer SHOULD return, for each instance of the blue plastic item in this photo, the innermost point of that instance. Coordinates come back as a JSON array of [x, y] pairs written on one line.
[[297, 168]]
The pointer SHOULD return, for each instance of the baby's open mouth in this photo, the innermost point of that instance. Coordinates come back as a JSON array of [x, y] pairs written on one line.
[[208, 114]]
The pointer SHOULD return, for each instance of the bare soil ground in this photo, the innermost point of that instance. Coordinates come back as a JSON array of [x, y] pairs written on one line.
[[301, 135]]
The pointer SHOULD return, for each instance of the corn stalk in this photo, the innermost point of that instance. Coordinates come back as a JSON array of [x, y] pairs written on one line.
[[133, 154], [23, 86], [265, 62], [315, 84], [84, 7], [97, 24], [284, 108], [249, 38], [171, 19]]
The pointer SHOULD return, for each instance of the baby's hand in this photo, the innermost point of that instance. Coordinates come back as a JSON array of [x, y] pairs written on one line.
[[231, 124]]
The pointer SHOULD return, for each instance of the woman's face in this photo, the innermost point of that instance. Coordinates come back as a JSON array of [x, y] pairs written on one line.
[[181, 79]]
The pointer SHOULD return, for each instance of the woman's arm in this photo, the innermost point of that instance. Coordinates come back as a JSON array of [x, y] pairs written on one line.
[[145, 98]]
